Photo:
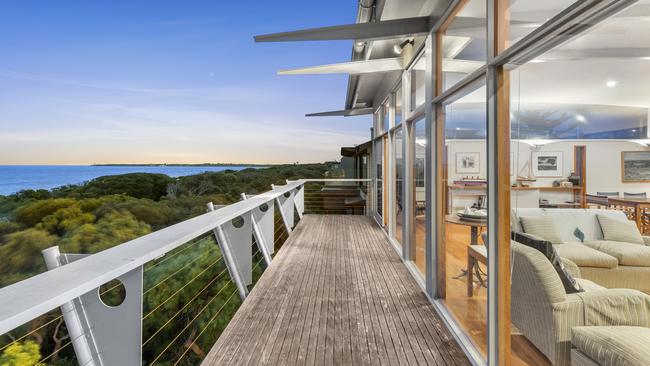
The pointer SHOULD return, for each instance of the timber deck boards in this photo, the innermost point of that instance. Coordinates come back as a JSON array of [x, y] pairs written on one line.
[[337, 293]]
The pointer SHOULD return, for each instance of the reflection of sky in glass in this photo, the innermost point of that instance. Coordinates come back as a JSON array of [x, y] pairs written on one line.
[[552, 121], [465, 121]]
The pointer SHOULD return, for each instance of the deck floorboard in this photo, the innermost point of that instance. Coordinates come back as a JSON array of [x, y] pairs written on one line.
[[337, 293]]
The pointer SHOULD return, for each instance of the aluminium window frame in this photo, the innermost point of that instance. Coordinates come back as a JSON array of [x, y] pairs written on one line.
[[569, 22]]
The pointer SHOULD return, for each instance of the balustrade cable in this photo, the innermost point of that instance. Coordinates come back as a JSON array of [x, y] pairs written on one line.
[[180, 289], [41, 362], [187, 326], [30, 333], [173, 274], [186, 305], [64, 346], [168, 257], [204, 328]]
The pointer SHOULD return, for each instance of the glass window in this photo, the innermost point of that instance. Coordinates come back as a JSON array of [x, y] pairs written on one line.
[[398, 146], [419, 196], [464, 183], [398, 106], [418, 86], [464, 47], [379, 159], [527, 15], [386, 116], [579, 116]]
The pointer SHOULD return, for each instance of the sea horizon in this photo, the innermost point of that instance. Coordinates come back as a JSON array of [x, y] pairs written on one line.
[[16, 178]]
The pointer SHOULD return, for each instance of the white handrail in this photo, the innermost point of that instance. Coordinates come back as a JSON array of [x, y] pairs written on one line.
[[336, 180], [37, 295]]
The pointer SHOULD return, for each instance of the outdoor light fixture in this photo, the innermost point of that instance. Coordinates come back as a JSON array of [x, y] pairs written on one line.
[[359, 46], [398, 48]]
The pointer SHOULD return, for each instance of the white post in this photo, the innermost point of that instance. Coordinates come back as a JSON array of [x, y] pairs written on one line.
[[231, 264], [259, 238], [70, 315], [285, 220]]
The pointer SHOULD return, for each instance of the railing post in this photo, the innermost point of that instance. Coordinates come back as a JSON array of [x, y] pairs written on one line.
[[281, 207], [259, 238], [71, 315], [228, 257], [299, 200], [103, 335]]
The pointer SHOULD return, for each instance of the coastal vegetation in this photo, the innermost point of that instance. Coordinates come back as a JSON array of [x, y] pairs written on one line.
[[111, 210]]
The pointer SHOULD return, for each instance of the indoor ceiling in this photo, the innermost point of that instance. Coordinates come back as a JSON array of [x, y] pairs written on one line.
[[607, 65]]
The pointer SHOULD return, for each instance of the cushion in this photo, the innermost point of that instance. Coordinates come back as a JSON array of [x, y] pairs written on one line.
[[571, 267], [620, 230], [546, 248], [568, 219], [613, 345], [585, 256], [589, 285], [541, 226], [626, 254]]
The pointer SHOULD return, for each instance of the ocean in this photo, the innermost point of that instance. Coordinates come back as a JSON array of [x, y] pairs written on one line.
[[14, 178]]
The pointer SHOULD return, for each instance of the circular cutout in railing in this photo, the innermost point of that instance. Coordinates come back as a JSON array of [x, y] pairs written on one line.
[[264, 207], [287, 194], [238, 222], [113, 293]]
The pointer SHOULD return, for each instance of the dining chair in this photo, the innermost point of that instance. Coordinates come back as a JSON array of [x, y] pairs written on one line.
[[608, 194], [635, 195], [597, 201]]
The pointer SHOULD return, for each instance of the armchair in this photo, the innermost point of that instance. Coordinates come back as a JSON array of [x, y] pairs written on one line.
[[545, 314]]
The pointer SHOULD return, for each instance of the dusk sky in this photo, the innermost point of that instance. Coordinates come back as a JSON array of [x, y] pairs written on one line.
[[86, 82]]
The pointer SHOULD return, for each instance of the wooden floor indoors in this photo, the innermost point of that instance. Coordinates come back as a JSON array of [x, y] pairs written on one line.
[[336, 294]]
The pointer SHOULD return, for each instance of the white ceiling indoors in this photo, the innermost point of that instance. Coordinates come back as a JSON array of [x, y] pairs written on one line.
[[607, 65], [615, 51]]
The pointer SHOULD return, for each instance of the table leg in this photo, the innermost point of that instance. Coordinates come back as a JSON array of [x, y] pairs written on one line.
[[471, 262], [638, 216], [474, 238]]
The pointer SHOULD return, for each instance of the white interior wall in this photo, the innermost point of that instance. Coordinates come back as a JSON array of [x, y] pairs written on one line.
[[603, 162]]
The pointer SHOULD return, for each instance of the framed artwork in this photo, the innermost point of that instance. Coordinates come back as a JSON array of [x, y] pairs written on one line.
[[547, 163], [635, 166], [467, 162]]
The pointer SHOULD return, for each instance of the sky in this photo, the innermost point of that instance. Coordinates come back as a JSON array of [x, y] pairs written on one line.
[[161, 81]]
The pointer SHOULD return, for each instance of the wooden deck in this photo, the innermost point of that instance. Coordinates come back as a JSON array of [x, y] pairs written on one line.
[[336, 294]]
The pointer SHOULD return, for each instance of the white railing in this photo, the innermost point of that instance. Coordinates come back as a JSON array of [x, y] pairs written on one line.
[[103, 335]]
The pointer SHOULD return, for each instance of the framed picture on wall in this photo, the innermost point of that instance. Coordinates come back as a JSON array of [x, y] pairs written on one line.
[[635, 166], [467, 162], [547, 163]]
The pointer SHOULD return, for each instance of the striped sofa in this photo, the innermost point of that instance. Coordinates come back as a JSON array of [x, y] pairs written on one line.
[[618, 345], [543, 311], [608, 263]]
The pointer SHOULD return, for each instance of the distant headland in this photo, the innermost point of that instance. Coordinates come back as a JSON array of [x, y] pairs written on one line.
[[201, 164]]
